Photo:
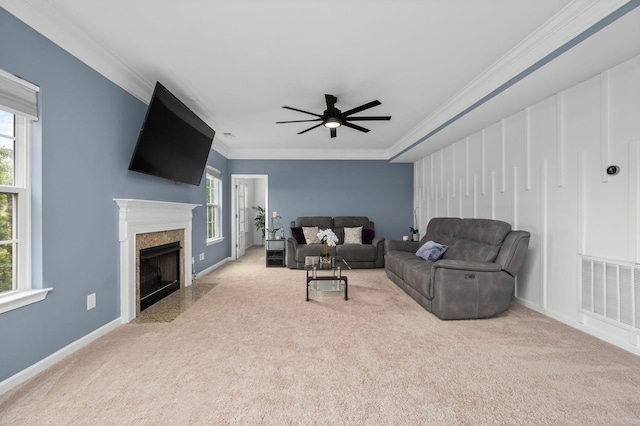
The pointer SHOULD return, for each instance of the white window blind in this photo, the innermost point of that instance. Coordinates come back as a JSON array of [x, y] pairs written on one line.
[[18, 96], [213, 172]]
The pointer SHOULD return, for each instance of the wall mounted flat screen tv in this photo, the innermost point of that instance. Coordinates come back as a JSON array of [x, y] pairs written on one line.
[[174, 142]]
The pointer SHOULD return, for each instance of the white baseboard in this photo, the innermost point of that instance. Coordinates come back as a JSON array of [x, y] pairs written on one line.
[[591, 328], [29, 372], [566, 320], [212, 267]]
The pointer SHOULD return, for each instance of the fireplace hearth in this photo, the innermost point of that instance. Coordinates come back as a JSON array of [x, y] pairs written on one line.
[[159, 273]]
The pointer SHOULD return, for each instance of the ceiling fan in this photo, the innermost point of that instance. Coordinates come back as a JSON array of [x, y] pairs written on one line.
[[332, 118]]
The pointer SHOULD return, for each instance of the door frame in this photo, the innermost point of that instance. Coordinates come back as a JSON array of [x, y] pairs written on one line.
[[234, 207]]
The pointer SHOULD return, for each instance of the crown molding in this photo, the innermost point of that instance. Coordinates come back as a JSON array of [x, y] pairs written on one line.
[[572, 21], [220, 147], [564, 27], [51, 22], [307, 154]]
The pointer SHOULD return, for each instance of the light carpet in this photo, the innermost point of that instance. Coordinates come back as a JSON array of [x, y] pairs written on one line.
[[252, 351]]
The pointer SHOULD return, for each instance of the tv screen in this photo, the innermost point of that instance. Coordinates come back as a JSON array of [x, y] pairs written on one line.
[[174, 142]]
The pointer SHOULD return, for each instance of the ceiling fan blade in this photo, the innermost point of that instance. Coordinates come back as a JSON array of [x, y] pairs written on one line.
[[385, 117], [299, 110], [361, 108], [353, 126], [331, 101], [310, 128], [334, 133], [298, 121]]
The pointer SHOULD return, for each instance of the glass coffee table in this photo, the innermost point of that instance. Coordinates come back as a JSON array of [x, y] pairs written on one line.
[[326, 276]]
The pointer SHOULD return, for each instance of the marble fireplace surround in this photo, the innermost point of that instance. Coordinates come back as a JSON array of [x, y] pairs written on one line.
[[142, 217]]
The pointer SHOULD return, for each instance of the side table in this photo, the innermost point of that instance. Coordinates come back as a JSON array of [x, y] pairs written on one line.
[[275, 253]]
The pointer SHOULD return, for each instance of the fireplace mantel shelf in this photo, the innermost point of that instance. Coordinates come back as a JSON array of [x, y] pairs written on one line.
[[151, 214]]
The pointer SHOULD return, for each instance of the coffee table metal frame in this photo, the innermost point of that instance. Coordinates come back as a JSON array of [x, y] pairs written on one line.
[[336, 266]]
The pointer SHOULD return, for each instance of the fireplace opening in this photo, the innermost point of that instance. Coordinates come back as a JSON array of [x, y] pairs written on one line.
[[159, 273]]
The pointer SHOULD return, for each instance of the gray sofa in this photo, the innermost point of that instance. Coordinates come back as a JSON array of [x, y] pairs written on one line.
[[475, 276], [356, 255]]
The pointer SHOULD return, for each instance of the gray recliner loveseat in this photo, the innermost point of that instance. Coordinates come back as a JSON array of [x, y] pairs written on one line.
[[369, 254], [476, 274]]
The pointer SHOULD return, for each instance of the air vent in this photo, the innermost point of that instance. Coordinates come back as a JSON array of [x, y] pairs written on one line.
[[611, 290]]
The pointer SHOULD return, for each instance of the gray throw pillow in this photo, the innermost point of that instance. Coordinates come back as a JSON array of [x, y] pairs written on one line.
[[431, 251]]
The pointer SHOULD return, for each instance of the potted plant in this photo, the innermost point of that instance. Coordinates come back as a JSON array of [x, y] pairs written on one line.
[[273, 226], [259, 221], [415, 234], [328, 238]]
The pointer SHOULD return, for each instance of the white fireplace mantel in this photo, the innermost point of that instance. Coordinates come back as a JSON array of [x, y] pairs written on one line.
[[143, 216]]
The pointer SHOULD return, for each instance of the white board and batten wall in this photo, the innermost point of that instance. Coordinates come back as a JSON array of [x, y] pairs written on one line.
[[543, 170]]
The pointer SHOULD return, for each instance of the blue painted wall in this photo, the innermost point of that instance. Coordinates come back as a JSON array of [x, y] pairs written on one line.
[[381, 190], [82, 144]]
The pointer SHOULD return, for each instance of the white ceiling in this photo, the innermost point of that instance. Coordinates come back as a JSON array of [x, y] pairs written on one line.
[[236, 63]]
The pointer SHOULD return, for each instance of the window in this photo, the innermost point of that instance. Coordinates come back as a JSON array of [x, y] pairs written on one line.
[[10, 194], [18, 108], [243, 190], [213, 201]]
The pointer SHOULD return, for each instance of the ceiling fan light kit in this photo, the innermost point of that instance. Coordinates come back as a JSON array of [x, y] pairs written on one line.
[[332, 122], [332, 118]]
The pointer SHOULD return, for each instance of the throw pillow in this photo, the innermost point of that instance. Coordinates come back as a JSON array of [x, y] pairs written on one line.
[[296, 232], [368, 235], [311, 234], [431, 251], [353, 235]]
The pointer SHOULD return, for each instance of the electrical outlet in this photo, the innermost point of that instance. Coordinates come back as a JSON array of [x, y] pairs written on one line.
[[91, 301], [201, 256]]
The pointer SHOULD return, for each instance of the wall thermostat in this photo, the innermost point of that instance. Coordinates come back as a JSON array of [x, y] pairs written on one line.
[[613, 170]]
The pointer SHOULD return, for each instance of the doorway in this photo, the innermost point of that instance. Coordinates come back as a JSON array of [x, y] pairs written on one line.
[[247, 191]]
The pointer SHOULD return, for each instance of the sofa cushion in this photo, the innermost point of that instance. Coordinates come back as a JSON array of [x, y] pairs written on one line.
[[394, 260], [353, 235], [341, 222], [311, 234], [352, 222], [357, 252], [416, 273], [322, 222], [296, 232], [441, 229], [431, 251], [310, 250], [477, 240]]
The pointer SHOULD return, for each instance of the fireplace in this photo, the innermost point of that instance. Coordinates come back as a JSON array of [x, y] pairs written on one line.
[[159, 260], [159, 273], [144, 224]]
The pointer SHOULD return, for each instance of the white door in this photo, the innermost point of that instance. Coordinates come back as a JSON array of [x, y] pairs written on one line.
[[241, 216]]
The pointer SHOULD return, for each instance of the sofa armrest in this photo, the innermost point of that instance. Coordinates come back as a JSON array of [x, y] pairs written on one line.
[[379, 244], [467, 290], [377, 240], [408, 246], [513, 251], [292, 247], [292, 243]]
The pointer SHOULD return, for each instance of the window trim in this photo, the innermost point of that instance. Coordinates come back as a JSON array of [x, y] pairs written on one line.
[[25, 292], [215, 173], [19, 298]]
